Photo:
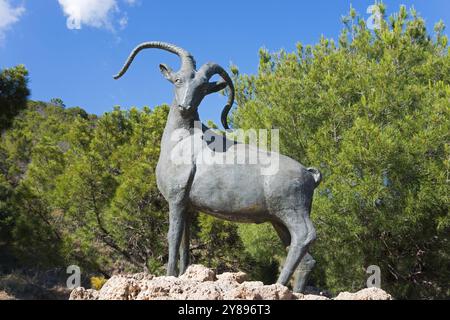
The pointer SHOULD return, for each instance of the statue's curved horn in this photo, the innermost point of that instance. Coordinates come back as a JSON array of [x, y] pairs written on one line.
[[187, 60], [213, 69]]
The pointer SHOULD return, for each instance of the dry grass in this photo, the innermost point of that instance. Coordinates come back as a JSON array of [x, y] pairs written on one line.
[[32, 285]]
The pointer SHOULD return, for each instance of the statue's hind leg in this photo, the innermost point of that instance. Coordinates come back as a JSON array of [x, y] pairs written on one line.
[[283, 233], [304, 234], [306, 264], [303, 271]]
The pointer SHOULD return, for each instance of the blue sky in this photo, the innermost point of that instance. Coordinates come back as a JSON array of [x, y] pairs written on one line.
[[73, 47]]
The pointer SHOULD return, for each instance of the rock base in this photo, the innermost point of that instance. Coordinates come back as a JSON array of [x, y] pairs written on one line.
[[201, 283]]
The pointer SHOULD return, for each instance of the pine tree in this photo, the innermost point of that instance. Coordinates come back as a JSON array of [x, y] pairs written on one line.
[[372, 112]]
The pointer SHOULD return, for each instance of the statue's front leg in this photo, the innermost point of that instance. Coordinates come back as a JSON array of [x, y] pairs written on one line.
[[184, 248], [177, 220]]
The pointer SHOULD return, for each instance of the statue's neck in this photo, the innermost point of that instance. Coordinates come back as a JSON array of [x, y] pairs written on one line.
[[178, 127], [177, 120]]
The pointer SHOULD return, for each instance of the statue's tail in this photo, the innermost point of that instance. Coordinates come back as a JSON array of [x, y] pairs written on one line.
[[316, 175]]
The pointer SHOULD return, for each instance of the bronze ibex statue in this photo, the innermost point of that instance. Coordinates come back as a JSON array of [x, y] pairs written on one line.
[[236, 192]]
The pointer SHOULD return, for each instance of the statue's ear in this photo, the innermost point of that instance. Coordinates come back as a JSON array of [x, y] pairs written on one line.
[[216, 86], [166, 72]]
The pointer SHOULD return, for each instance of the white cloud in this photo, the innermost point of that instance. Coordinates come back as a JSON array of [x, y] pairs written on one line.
[[123, 22], [9, 15], [95, 13]]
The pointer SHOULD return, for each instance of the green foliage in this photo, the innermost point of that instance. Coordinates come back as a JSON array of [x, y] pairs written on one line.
[[13, 99], [372, 113], [264, 249], [108, 189], [13, 94], [6, 222], [84, 188], [221, 246], [57, 102]]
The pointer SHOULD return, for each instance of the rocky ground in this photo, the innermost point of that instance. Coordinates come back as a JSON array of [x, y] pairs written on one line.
[[5, 296], [201, 283]]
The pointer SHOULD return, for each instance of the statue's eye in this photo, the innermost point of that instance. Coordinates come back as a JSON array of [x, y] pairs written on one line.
[[178, 81]]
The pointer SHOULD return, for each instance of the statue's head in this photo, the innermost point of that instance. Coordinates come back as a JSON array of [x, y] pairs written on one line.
[[191, 86]]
